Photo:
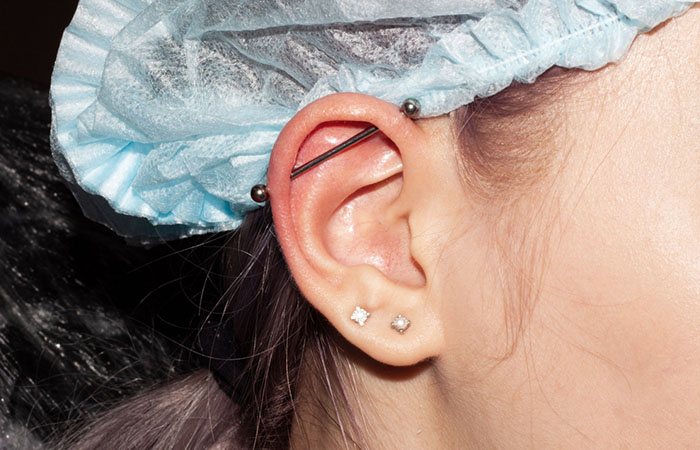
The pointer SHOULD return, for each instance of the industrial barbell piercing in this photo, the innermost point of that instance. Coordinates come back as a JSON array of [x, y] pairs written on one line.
[[410, 108], [356, 139]]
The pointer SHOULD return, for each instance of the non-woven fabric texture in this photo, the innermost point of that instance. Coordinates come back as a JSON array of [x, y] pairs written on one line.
[[168, 109]]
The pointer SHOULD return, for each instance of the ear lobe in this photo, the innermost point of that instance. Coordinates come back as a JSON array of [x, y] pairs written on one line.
[[344, 227]]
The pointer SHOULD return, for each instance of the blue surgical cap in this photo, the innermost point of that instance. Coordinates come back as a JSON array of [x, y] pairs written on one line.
[[165, 111]]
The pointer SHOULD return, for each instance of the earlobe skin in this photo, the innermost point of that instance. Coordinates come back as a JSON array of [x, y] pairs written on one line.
[[345, 229]]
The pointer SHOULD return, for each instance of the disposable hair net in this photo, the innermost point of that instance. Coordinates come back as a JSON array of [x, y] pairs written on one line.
[[168, 109]]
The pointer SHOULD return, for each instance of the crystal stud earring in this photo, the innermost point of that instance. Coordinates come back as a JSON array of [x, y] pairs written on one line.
[[400, 323], [360, 316]]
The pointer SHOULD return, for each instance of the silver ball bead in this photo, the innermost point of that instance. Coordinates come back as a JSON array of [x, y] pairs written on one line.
[[259, 193], [411, 108]]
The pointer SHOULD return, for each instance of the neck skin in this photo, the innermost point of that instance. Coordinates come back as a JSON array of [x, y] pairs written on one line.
[[392, 407], [608, 357]]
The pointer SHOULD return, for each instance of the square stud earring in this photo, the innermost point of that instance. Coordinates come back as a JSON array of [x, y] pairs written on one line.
[[400, 323], [360, 316]]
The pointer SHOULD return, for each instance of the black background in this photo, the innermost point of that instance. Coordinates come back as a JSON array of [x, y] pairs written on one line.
[[30, 31], [85, 320]]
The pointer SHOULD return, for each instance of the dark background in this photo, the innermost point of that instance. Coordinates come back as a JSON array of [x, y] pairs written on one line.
[[86, 321], [30, 31]]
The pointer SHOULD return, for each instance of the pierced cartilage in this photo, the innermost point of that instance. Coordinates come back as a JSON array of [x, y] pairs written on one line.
[[410, 108]]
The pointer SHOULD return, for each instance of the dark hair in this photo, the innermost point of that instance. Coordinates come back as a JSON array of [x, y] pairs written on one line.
[[274, 331], [277, 334], [501, 137], [506, 150]]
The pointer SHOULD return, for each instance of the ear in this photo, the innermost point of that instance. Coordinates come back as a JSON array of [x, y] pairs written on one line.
[[345, 227]]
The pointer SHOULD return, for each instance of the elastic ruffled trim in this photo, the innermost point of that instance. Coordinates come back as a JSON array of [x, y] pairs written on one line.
[[168, 183], [168, 109]]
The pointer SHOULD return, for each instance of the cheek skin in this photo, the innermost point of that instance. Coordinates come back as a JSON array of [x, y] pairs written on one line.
[[626, 252], [620, 304], [618, 316], [611, 350]]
